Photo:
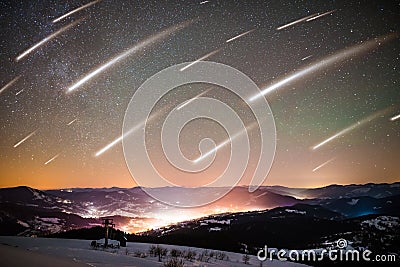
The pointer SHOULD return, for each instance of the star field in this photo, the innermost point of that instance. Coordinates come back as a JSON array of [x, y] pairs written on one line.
[[307, 110]]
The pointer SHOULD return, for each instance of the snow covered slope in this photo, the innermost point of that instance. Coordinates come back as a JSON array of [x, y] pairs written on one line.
[[79, 251]]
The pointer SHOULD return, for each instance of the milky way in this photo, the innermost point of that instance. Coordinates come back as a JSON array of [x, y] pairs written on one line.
[[69, 69]]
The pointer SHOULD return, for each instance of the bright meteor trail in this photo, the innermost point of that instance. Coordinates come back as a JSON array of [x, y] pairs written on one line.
[[135, 128], [50, 160], [295, 22], [238, 36], [307, 57], [225, 142], [139, 46], [192, 99], [75, 10], [71, 122], [200, 59], [326, 62], [9, 84], [350, 128], [321, 15], [110, 145], [323, 164], [47, 39], [395, 118], [24, 139], [20, 91]]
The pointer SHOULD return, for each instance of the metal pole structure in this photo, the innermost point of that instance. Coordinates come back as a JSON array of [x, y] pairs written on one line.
[[106, 239], [107, 222]]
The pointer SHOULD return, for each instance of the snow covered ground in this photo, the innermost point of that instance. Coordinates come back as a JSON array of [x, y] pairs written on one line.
[[79, 251]]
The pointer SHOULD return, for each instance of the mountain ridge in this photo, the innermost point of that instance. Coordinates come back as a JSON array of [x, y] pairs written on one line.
[[49, 211]]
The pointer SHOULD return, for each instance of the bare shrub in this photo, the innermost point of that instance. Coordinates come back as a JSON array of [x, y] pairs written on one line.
[[174, 262]]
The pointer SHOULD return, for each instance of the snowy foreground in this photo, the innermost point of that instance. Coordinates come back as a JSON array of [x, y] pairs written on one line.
[[68, 252]]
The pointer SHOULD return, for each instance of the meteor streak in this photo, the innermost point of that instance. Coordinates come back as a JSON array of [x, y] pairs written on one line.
[[71, 122], [110, 145], [210, 152], [240, 35], [323, 164], [20, 91], [225, 142], [295, 22], [304, 58], [321, 15], [350, 128], [204, 2], [134, 129], [26, 138], [326, 62], [200, 59], [50, 160], [47, 39], [395, 118], [9, 84], [75, 10], [139, 46], [192, 99]]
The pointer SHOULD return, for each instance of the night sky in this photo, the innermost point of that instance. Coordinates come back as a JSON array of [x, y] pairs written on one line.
[[344, 68]]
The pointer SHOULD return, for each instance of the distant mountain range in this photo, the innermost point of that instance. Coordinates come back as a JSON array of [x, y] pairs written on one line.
[[28, 211], [340, 191]]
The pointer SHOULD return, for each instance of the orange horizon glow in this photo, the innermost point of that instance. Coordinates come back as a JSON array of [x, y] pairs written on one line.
[[131, 184]]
